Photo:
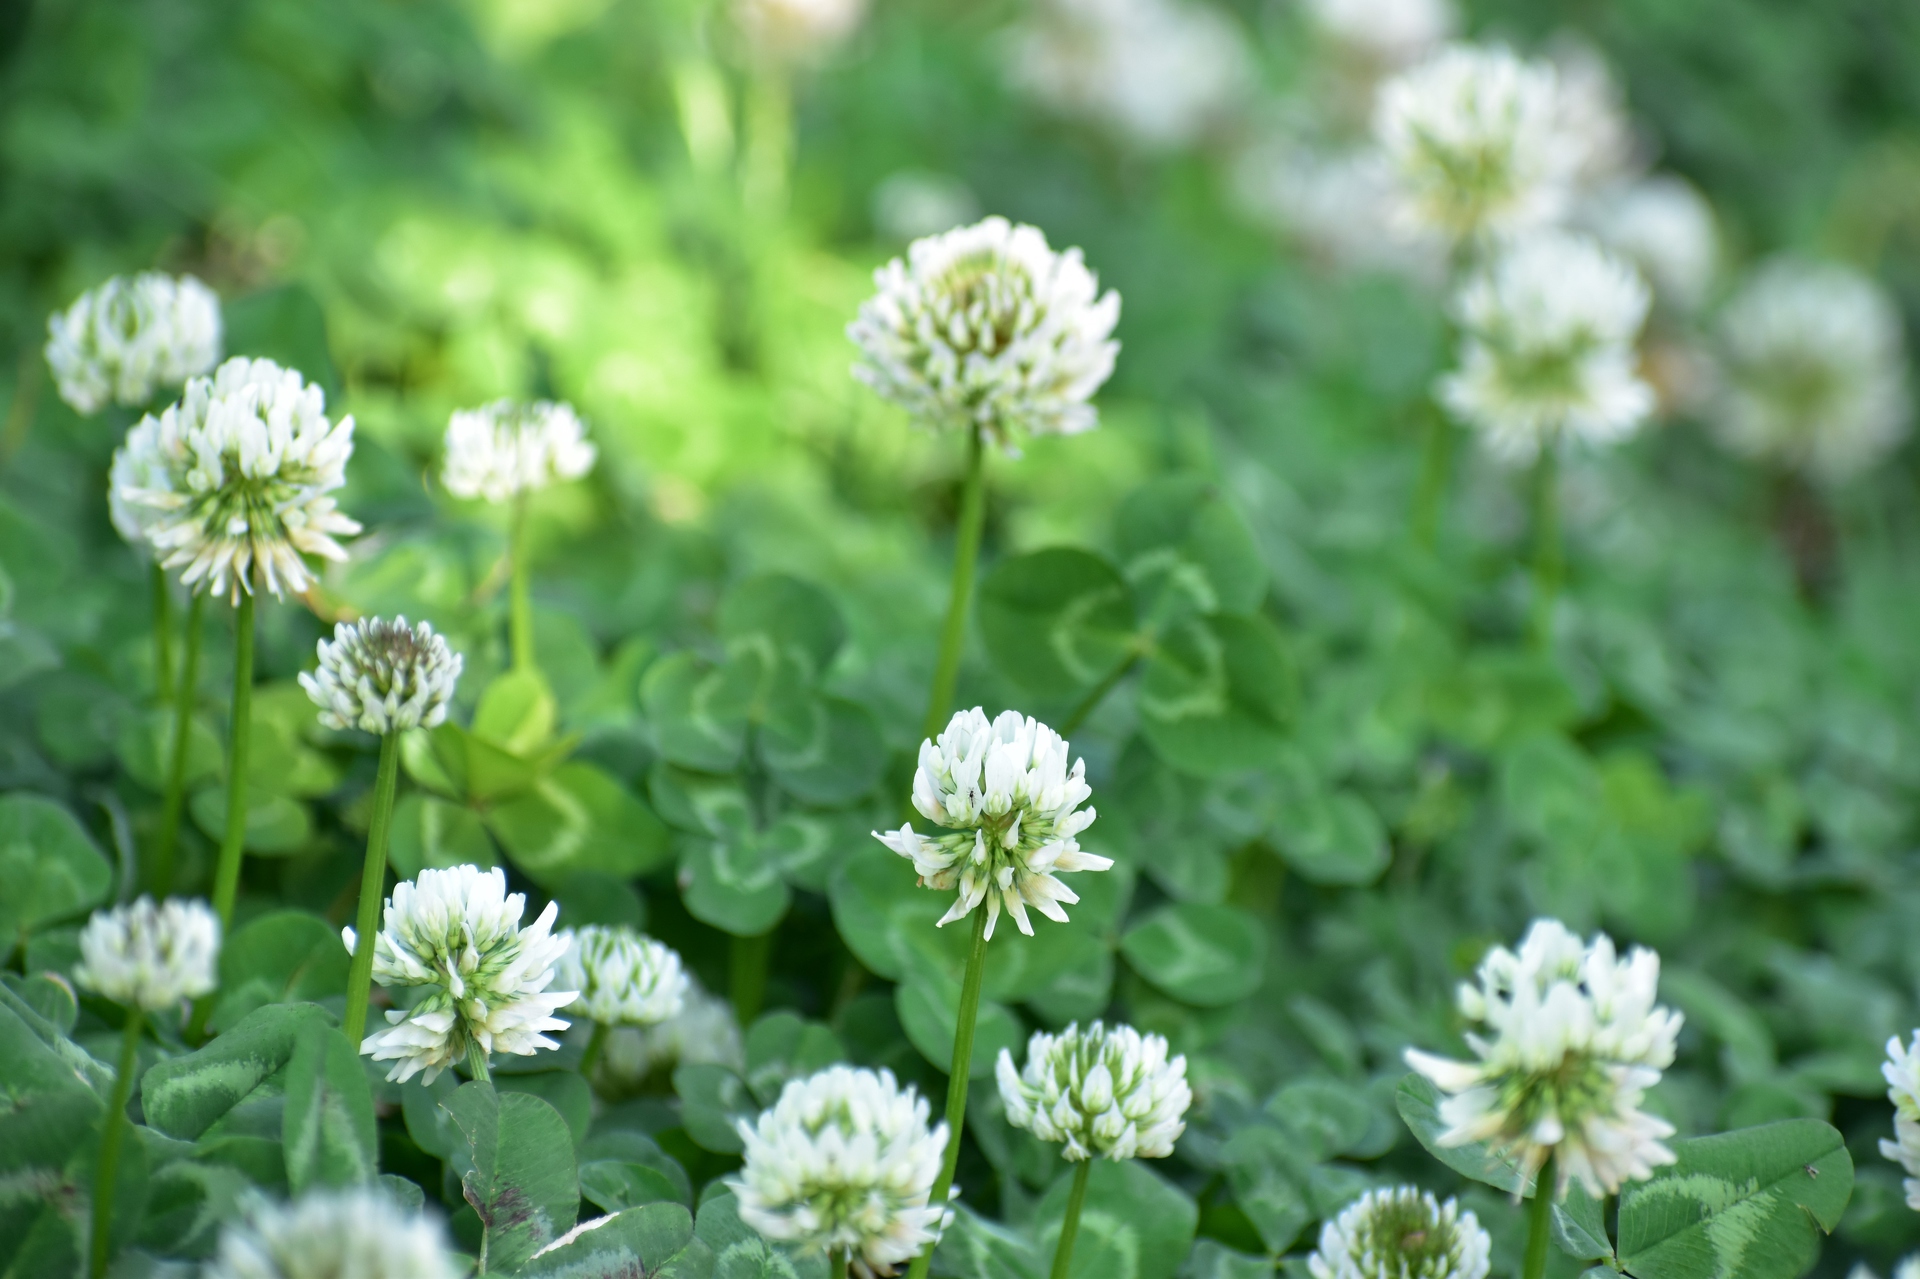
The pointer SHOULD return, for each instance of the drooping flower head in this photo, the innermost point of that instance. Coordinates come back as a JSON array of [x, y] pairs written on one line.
[[150, 956], [845, 1160], [1402, 1233], [1476, 141], [791, 31], [1813, 369], [624, 979], [985, 325], [505, 448], [1902, 1071], [130, 337], [1548, 348], [1665, 226], [355, 1233], [1109, 1092], [457, 933], [1004, 790], [1568, 1039], [231, 484], [383, 676]]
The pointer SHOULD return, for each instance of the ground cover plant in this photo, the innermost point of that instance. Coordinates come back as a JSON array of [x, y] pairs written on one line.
[[1114, 638]]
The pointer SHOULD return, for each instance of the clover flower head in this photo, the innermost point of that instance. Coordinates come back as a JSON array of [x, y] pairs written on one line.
[[1592, 111], [1386, 33], [1548, 348], [1813, 369], [1568, 1039], [1666, 228], [1160, 73], [793, 31], [845, 1160], [1902, 1071], [354, 1233], [986, 326], [1004, 791], [704, 1030], [150, 956], [383, 676], [457, 933], [231, 484], [1477, 142], [506, 448], [123, 341], [1336, 201], [1103, 1091], [141, 463], [624, 979], [1402, 1233]]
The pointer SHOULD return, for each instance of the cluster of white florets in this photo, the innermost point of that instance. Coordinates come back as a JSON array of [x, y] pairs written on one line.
[[506, 448], [1402, 1233], [624, 979], [383, 676], [132, 336], [333, 1234], [150, 956], [1102, 1092], [1902, 1072]]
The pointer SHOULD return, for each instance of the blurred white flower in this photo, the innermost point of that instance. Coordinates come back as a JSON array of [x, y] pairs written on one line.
[[1547, 352], [457, 932], [987, 326], [383, 676], [624, 979], [796, 30], [844, 1160], [1666, 227], [150, 956], [1568, 1040], [913, 203], [141, 463], [231, 484], [356, 1233], [505, 448], [1160, 72], [1812, 369], [1109, 1092], [1593, 122], [1388, 34], [1477, 143], [1338, 204], [704, 1030], [1005, 790], [1902, 1071], [130, 337], [1402, 1233]]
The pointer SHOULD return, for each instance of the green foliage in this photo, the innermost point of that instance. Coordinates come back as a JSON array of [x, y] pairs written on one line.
[[52, 868], [329, 1133], [516, 1169]]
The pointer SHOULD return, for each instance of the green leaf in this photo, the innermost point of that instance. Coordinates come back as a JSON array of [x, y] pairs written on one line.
[[330, 1135], [976, 1247], [823, 750], [1057, 621], [52, 998], [698, 712], [1751, 1203], [928, 1004], [187, 1204], [734, 885], [579, 819], [1135, 1224], [1268, 1170], [50, 865], [739, 1251], [712, 1102], [428, 832], [564, 1090], [876, 905], [145, 750], [516, 1170], [287, 324], [185, 1096], [1332, 837], [782, 1046], [1203, 955], [788, 619], [50, 1110], [1330, 1117], [1418, 1100], [76, 1062], [1214, 1260], [1187, 550], [1218, 695], [284, 956], [517, 713], [275, 825], [640, 1243], [1580, 1226]]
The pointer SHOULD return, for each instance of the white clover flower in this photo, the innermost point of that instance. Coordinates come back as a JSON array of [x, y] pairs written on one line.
[[150, 956], [504, 449], [1570, 1039], [457, 932], [128, 338], [985, 325], [1387, 33], [230, 484], [844, 1161], [1338, 203], [1813, 369], [1476, 139], [142, 464], [1902, 1071], [1593, 121], [1666, 227], [1004, 789], [383, 676], [1103, 1092], [1548, 348], [704, 1030], [1159, 72], [624, 979], [796, 30], [1402, 1233], [354, 1233]]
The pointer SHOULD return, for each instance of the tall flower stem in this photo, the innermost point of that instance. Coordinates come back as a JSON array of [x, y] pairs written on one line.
[[477, 1062], [226, 877], [596, 1044], [113, 1131], [973, 513], [838, 1259], [1436, 463], [1070, 1224], [1549, 565], [373, 884], [173, 804], [520, 591], [162, 635], [962, 1070], [1540, 1220]]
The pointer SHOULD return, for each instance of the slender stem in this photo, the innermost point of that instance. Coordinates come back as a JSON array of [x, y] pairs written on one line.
[[596, 1044], [838, 1259], [373, 885], [1436, 463], [1091, 702], [748, 975], [769, 143], [162, 636], [113, 1130], [519, 592], [1070, 1224], [174, 802], [962, 1070], [1540, 1220], [226, 879], [477, 1062], [973, 511], [1549, 566]]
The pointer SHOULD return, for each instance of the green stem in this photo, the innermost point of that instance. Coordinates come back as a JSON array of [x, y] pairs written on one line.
[[596, 1044], [769, 143], [962, 1069], [973, 511], [1091, 702], [1070, 1224], [162, 636], [477, 1062], [838, 1259], [519, 592], [1540, 1220], [175, 800], [373, 884], [1436, 463], [1549, 565], [113, 1130], [26, 399], [748, 975], [226, 878]]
